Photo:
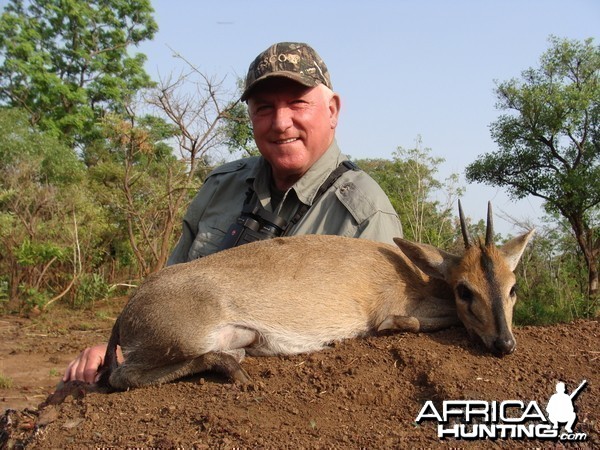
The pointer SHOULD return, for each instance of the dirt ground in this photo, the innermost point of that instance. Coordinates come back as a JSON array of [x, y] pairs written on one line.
[[364, 393]]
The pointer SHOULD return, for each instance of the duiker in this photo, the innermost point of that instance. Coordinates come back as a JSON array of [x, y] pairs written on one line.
[[298, 294]]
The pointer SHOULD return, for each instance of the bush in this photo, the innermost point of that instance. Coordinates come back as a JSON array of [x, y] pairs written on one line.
[[33, 298], [91, 287], [544, 304], [552, 282]]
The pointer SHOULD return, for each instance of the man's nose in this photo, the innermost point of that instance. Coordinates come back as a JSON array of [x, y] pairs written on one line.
[[282, 119]]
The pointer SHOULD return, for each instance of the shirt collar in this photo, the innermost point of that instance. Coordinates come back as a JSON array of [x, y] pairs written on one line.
[[306, 187]]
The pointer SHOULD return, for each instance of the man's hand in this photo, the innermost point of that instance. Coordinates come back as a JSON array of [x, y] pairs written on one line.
[[85, 366]]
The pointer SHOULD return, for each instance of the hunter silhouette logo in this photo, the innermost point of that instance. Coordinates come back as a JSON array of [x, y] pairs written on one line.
[[509, 419], [560, 406]]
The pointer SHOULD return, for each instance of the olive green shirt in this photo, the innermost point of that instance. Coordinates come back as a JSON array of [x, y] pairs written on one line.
[[354, 206]]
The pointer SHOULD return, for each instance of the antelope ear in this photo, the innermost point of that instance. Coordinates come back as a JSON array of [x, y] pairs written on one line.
[[434, 262], [513, 249]]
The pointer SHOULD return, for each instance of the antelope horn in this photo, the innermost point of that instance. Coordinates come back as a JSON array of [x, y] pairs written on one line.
[[463, 226], [489, 232]]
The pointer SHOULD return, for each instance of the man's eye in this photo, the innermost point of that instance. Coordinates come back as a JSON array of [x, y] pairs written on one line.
[[261, 109]]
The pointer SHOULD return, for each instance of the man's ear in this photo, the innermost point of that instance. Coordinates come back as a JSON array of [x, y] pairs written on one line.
[[335, 104]]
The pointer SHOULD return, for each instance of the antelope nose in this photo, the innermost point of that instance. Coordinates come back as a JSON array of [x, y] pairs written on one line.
[[504, 346]]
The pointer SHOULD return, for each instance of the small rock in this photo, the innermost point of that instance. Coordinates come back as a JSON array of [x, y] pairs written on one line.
[[70, 424]]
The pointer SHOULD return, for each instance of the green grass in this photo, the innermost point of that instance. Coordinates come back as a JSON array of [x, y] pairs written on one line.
[[5, 382]]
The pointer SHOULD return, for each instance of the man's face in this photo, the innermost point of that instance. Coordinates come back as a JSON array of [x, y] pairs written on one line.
[[293, 126]]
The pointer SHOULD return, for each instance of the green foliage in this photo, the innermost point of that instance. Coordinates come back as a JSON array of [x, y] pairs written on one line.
[[33, 298], [42, 195], [34, 253], [410, 182], [133, 177], [67, 62], [27, 152], [238, 131], [552, 281], [91, 287], [543, 304], [68, 80], [237, 127]]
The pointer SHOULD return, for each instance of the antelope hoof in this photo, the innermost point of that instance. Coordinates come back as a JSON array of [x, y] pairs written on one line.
[[241, 376]]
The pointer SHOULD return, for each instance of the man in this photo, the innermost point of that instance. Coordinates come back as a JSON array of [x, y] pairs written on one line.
[[294, 115], [301, 183]]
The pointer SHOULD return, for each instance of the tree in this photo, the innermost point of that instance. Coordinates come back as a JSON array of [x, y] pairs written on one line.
[[133, 176], [198, 107], [410, 184], [238, 131], [550, 142], [66, 62], [149, 167], [238, 128]]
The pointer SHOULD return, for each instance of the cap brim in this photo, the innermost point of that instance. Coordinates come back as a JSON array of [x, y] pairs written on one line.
[[294, 76]]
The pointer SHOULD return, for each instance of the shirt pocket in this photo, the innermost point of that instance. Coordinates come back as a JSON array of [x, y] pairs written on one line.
[[209, 238]]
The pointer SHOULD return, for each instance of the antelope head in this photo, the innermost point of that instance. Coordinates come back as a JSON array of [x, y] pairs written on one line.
[[482, 280]]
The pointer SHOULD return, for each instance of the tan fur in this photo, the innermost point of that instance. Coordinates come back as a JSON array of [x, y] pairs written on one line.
[[286, 296]]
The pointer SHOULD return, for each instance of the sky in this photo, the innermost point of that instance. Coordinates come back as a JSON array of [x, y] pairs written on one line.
[[403, 68]]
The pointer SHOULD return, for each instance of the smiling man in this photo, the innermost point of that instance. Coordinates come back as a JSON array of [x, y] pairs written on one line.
[[301, 180], [301, 183]]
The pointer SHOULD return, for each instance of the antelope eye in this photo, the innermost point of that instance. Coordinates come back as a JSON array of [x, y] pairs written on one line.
[[464, 293], [513, 291]]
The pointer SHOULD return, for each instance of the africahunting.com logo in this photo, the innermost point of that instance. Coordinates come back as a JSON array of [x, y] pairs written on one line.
[[509, 419]]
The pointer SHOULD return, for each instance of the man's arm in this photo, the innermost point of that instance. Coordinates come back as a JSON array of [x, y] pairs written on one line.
[[370, 208], [224, 187], [381, 227], [180, 253]]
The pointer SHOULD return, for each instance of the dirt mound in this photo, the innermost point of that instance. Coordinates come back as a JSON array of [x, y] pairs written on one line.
[[361, 393]]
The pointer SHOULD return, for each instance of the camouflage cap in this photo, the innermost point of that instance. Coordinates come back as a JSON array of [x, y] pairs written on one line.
[[294, 60]]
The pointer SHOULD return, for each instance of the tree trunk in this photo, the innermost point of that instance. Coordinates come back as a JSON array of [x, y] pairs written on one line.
[[593, 288], [586, 244]]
